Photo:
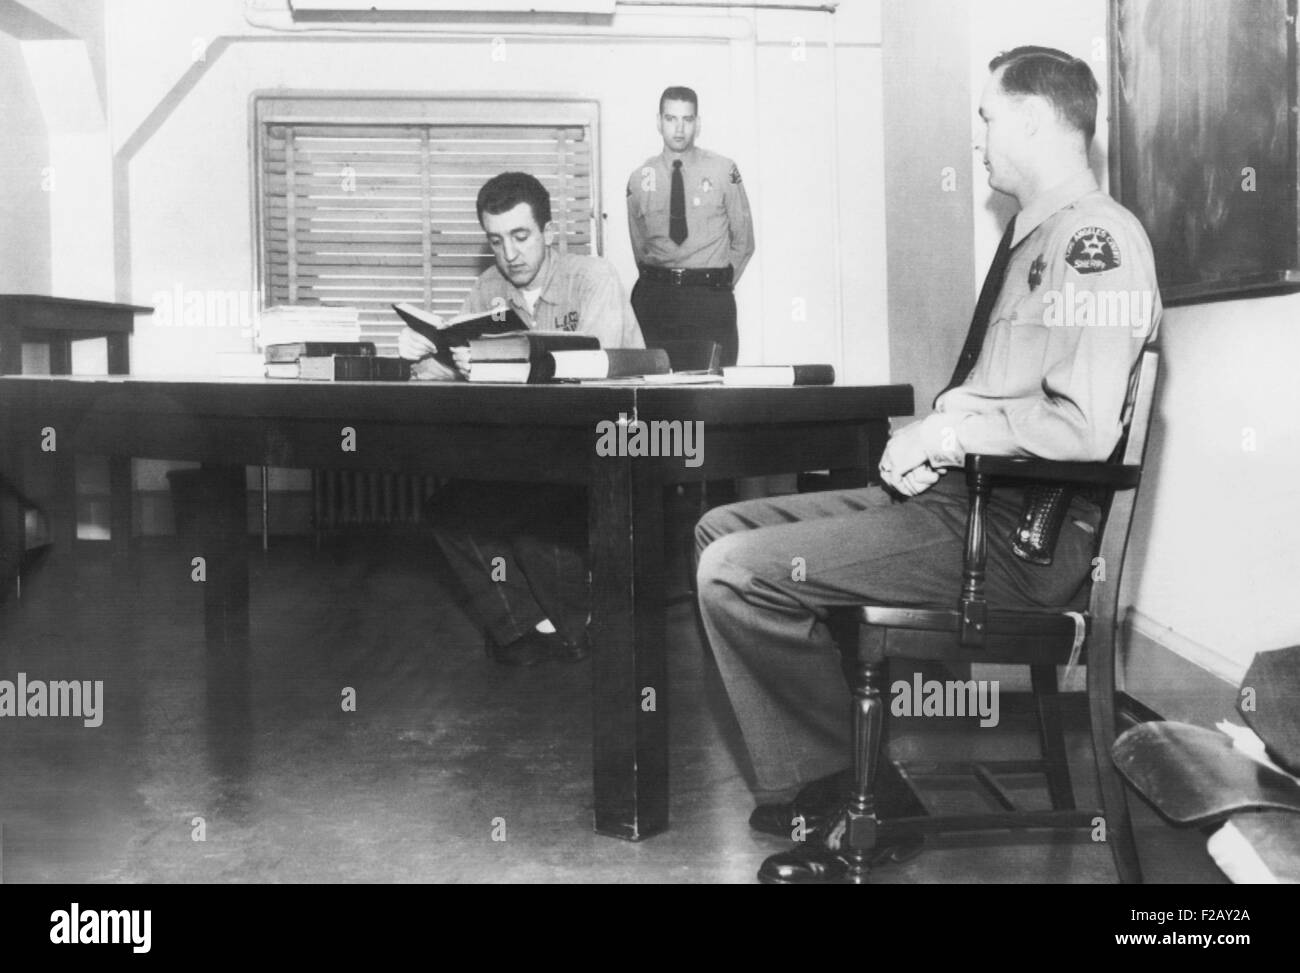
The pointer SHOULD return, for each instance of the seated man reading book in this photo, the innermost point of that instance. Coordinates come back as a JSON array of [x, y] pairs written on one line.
[[518, 548]]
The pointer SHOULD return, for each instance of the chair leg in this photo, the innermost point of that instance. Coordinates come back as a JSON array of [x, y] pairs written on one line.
[[867, 723], [1051, 737], [1114, 796]]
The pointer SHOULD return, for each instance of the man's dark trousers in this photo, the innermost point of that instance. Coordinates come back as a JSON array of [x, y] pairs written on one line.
[[519, 550], [765, 610], [673, 312]]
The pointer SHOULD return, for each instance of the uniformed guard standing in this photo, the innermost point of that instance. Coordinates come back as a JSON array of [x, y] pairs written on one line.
[[692, 235]]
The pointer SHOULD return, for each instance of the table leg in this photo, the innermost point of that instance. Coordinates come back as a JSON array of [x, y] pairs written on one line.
[[13, 533], [873, 438], [222, 542], [63, 504], [11, 344], [119, 506], [223, 545], [629, 669], [119, 354], [12, 519], [119, 467], [63, 500], [60, 346]]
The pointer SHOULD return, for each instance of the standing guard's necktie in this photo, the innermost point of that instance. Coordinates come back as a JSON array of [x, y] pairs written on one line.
[[677, 206], [979, 322]]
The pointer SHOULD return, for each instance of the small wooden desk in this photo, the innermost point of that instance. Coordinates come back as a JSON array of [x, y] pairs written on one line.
[[544, 434], [57, 322]]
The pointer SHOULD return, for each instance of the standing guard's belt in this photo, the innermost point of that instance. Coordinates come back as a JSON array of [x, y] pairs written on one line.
[[683, 277]]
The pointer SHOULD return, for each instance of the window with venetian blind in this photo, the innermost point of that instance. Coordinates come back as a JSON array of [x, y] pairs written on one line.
[[363, 202]]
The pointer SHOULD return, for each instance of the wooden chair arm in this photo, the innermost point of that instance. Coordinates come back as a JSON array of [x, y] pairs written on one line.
[[981, 472], [1117, 476]]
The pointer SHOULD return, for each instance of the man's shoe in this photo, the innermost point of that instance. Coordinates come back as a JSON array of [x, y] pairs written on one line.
[[815, 865], [814, 803], [537, 647], [564, 651], [528, 650], [825, 861]]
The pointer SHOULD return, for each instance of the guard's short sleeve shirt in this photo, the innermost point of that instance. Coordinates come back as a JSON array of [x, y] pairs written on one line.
[[718, 221]]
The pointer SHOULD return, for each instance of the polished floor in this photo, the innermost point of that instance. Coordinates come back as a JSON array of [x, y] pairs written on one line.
[[450, 769]]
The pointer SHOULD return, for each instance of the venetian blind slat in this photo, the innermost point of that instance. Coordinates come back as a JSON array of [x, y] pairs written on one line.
[[365, 215]]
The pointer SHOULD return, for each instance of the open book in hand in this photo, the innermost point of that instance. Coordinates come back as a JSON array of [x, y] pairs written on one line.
[[458, 331]]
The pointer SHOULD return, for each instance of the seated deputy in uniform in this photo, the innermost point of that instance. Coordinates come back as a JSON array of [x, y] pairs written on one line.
[[519, 549], [1029, 383]]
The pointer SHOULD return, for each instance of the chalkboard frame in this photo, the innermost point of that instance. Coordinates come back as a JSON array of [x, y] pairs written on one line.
[[1282, 278]]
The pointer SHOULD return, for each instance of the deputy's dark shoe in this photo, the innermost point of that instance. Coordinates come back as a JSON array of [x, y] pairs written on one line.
[[528, 650], [825, 860], [813, 803], [564, 651], [537, 647]]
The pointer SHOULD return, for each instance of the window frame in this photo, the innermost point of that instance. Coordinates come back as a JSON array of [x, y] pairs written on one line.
[[405, 109]]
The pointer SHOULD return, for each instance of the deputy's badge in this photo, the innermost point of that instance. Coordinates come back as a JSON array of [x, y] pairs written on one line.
[[735, 174], [1036, 272], [1092, 250], [705, 185]]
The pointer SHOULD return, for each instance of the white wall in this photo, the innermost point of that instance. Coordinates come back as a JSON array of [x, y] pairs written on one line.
[[1217, 533], [56, 200], [24, 160]]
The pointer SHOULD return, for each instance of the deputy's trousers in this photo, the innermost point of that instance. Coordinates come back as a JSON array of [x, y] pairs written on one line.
[[668, 312], [769, 570]]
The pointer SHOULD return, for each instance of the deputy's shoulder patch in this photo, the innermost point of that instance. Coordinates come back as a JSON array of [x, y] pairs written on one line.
[[735, 174], [1092, 250]]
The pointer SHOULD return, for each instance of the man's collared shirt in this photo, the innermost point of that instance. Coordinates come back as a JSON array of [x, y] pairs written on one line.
[[720, 230], [576, 293], [1079, 302]]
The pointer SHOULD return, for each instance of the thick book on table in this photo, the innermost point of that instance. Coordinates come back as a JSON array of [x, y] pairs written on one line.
[[672, 378], [610, 363], [778, 375], [293, 350], [353, 368], [520, 346], [527, 356], [459, 331], [512, 372]]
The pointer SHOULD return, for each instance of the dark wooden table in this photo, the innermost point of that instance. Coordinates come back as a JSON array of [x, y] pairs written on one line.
[[57, 322], [529, 433]]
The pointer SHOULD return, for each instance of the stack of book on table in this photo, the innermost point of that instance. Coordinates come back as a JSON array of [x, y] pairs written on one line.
[[546, 356], [333, 361], [319, 343], [287, 323], [522, 356]]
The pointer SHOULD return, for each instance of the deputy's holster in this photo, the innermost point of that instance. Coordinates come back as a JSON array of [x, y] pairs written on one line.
[[1042, 513]]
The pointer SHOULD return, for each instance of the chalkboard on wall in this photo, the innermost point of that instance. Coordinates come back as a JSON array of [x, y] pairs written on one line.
[[1204, 140]]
